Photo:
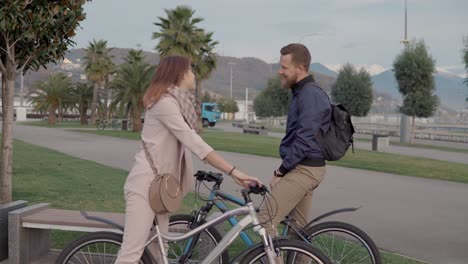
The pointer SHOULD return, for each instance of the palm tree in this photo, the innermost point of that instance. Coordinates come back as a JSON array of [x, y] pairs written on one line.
[[204, 64], [82, 95], [52, 95], [134, 56], [129, 86], [98, 67], [180, 35]]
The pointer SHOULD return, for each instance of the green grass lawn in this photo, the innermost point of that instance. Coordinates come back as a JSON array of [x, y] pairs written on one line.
[[361, 159], [415, 145], [44, 175], [65, 124], [277, 129]]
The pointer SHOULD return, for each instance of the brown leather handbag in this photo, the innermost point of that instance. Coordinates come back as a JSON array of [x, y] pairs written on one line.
[[165, 194]]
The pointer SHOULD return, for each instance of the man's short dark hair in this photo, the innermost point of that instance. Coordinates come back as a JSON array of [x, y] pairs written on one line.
[[299, 53]]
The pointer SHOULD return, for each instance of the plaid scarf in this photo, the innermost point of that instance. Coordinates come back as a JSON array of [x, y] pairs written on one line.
[[186, 101]]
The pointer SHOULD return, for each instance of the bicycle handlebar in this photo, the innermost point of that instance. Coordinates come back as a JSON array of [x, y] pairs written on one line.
[[209, 177], [254, 187]]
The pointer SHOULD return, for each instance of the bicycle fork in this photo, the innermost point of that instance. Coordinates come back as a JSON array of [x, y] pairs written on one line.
[[267, 241]]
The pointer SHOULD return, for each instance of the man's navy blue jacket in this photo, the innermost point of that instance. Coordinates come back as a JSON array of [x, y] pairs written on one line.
[[309, 111]]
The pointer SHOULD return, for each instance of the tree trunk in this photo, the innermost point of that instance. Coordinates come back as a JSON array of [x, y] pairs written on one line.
[[137, 125], [412, 131], [51, 117], [198, 103], [6, 166], [60, 114], [109, 98], [83, 115], [106, 99], [94, 103]]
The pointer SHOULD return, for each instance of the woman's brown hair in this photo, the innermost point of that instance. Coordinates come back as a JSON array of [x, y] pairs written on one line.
[[170, 72]]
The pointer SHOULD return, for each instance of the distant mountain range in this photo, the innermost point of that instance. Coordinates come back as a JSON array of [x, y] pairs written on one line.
[[320, 68], [449, 86], [249, 73], [254, 73]]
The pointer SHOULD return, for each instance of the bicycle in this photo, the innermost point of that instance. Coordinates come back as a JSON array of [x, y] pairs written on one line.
[[104, 123], [341, 242], [80, 250]]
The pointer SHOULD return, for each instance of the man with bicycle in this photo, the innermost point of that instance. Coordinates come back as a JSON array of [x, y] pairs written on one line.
[[303, 165]]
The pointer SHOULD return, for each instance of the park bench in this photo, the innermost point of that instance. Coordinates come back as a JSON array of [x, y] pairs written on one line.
[[255, 129], [29, 228], [239, 124], [380, 142]]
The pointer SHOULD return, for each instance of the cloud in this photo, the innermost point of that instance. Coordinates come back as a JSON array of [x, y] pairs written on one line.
[[349, 45], [303, 28], [458, 70], [372, 69], [355, 3], [334, 67]]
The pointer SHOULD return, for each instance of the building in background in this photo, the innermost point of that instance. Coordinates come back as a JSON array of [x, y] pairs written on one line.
[[245, 113]]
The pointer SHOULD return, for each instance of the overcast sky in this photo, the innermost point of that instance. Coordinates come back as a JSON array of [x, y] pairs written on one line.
[[362, 32]]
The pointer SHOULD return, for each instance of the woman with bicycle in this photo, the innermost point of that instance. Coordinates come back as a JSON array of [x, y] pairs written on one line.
[[170, 134]]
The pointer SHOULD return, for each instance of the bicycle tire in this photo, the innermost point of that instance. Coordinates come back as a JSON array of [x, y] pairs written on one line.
[[100, 125], [73, 251], [293, 247], [114, 125], [212, 233], [314, 231]]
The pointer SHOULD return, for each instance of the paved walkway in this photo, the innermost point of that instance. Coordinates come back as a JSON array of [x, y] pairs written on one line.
[[422, 218], [409, 151]]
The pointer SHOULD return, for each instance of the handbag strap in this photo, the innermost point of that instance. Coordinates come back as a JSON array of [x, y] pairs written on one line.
[[153, 167], [150, 160]]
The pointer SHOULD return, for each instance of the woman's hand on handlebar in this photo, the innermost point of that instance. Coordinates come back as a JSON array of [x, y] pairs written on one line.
[[243, 179]]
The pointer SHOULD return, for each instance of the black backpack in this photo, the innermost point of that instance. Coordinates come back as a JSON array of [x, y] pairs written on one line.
[[336, 140]]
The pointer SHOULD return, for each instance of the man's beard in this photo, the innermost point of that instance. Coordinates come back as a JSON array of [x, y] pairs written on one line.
[[287, 82]]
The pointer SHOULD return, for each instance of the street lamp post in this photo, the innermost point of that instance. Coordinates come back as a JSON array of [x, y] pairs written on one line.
[[246, 104], [22, 89], [405, 120], [230, 90]]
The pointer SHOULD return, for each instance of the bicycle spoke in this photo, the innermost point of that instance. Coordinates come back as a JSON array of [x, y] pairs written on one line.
[[104, 246], [84, 257], [78, 259], [90, 256], [343, 250], [349, 253], [322, 246]]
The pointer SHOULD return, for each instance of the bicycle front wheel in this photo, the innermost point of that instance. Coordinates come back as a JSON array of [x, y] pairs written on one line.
[[100, 125], [98, 247], [344, 243], [289, 251]]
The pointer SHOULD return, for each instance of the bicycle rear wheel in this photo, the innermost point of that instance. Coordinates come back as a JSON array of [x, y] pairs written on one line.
[[343, 243], [98, 247], [290, 251], [115, 124]]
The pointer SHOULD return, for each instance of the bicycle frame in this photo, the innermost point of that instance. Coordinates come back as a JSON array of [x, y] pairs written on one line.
[[215, 192], [223, 208], [250, 218]]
